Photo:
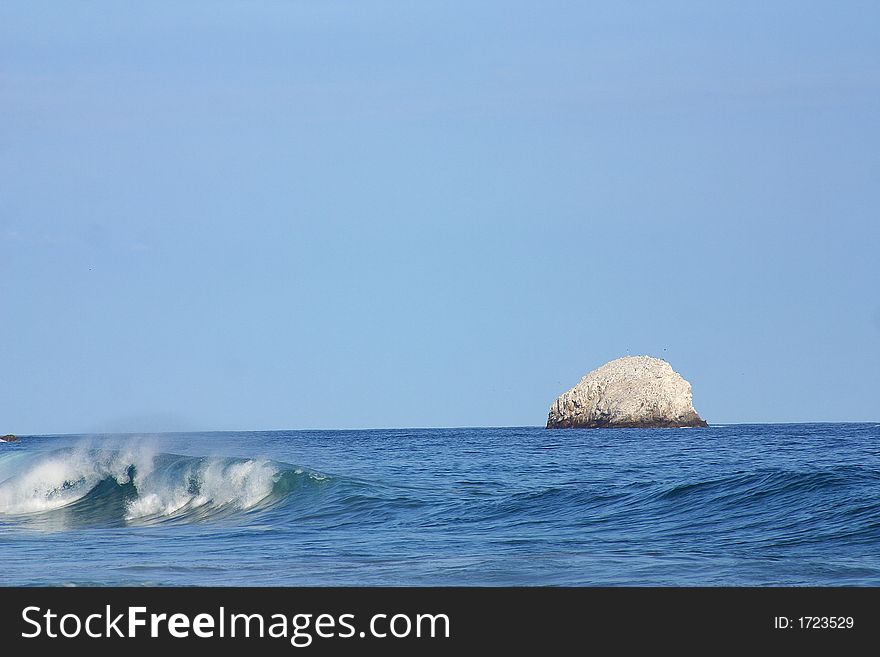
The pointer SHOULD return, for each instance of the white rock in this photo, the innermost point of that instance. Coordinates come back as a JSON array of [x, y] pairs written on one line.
[[634, 391]]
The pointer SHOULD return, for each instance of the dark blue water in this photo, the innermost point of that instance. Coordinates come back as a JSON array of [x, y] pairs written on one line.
[[727, 505]]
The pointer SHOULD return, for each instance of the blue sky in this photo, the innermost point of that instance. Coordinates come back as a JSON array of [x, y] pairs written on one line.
[[230, 215]]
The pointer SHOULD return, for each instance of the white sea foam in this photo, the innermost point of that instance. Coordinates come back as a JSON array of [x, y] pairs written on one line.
[[203, 484], [165, 485], [54, 480]]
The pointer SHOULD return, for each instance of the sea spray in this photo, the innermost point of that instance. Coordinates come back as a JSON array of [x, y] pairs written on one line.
[[56, 479], [140, 485], [186, 484]]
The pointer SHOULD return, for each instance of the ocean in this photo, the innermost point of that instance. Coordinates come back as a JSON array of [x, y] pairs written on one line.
[[736, 505]]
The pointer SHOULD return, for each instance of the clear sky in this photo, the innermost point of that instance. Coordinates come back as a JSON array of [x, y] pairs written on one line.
[[279, 215]]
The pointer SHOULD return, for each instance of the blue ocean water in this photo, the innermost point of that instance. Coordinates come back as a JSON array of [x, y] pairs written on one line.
[[794, 504]]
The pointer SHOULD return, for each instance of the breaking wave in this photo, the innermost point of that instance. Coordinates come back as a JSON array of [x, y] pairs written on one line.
[[99, 487]]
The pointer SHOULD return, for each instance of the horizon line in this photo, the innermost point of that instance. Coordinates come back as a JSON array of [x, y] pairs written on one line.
[[424, 428]]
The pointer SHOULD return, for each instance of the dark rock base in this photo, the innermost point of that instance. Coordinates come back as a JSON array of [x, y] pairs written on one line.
[[606, 424]]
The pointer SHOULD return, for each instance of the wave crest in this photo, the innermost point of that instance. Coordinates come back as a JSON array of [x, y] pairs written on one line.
[[111, 487]]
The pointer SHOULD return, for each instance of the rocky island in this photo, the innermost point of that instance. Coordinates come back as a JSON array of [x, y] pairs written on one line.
[[634, 391]]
